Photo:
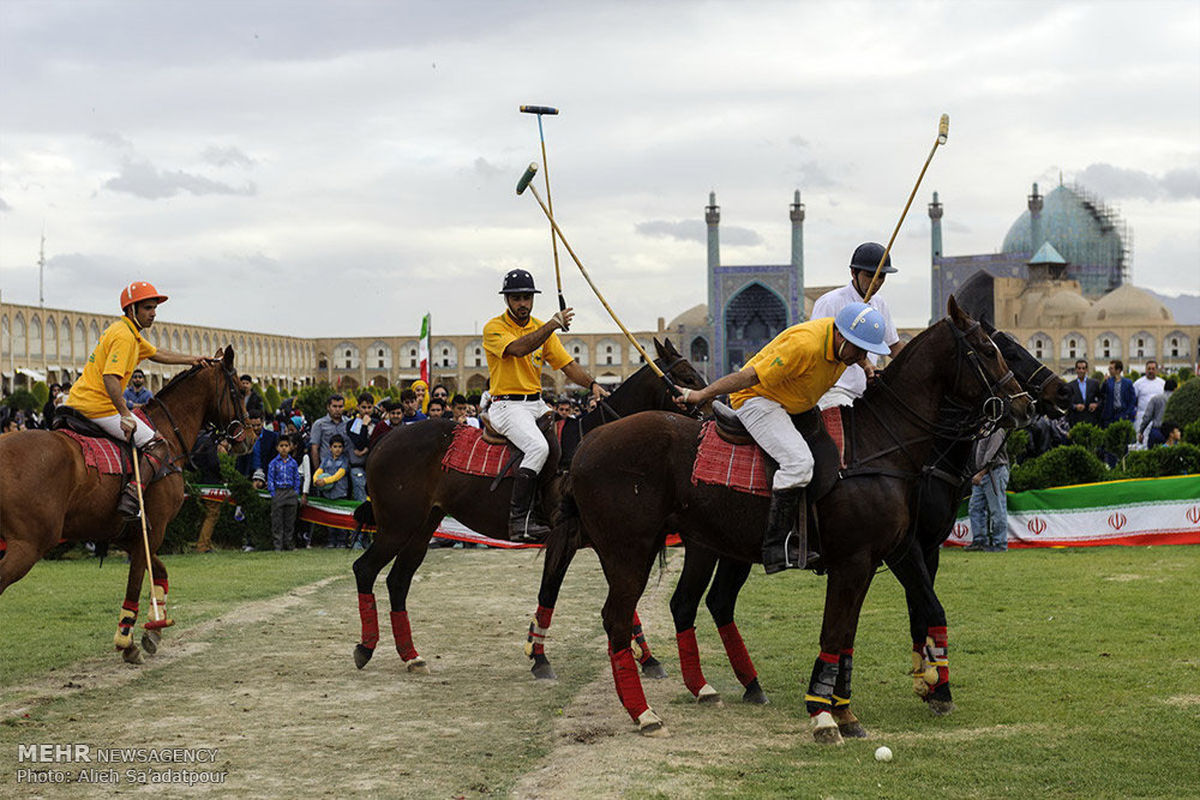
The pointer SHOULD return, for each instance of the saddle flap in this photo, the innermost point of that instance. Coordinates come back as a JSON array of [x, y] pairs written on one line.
[[729, 427], [70, 418]]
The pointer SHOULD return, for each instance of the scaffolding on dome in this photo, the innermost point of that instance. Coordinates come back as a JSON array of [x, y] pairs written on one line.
[[1117, 239]]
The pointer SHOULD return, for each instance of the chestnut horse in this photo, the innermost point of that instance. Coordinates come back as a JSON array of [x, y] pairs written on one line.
[[49, 495], [410, 494], [944, 481], [631, 484]]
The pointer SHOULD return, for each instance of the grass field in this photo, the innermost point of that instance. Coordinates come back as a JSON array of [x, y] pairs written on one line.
[[1076, 673]]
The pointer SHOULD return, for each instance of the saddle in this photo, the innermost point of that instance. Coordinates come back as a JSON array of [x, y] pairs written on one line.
[[106, 453], [826, 456], [484, 452]]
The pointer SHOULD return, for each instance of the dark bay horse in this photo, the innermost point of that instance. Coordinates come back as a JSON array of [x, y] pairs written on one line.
[[630, 485], [410, 494], [944, 481], [48, 494]]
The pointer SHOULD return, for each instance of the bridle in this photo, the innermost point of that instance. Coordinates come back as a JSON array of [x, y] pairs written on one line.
[[609, 414], [235, 430]]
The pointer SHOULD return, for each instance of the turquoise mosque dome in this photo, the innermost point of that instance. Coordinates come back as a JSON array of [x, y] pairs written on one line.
[[1091, 237]]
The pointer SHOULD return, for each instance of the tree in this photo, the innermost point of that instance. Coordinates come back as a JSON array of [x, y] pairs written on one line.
[[313, 399], [271, 399], [23, 399], [1183, 408], [42, 392]]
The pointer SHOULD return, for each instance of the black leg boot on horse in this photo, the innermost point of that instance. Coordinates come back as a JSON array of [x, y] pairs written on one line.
[[523, 526], [785, 544]]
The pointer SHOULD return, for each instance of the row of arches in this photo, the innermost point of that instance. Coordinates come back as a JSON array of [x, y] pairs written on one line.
[[1141, 345], [63, 339], [445, 353]]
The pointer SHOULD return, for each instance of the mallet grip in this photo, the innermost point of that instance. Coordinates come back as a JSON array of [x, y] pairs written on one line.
[[539, 110], [523, 184], [943, 128]]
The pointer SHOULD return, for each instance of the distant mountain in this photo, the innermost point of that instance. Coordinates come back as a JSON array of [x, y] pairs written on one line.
[[1185, 307]]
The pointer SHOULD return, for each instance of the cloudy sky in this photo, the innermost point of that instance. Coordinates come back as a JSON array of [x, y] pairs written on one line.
[[325, 169]]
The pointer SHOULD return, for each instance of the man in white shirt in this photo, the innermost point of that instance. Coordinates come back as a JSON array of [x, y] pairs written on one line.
[[866, 257], [1146, 387]]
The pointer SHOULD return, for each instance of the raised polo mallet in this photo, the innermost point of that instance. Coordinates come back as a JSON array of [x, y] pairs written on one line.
[[943, 133], [524, 184], [540, 110], [158, 618]]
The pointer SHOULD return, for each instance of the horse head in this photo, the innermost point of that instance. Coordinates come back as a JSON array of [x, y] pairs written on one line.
[[226, 410], [1049, 391], [678, 369], [988, 382]]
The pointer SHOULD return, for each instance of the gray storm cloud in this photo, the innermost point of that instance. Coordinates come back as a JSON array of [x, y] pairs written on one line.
[[694, 230], [1120, 182], [142, 179]]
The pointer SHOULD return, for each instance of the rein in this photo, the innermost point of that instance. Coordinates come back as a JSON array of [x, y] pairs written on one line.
[[235, 431]]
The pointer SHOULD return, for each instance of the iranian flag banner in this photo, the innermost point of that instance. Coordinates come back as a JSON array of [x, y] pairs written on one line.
[[1134, 512], [423, 349]]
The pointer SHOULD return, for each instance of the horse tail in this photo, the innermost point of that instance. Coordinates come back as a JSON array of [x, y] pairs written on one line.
[[566, 537], [364, 515]]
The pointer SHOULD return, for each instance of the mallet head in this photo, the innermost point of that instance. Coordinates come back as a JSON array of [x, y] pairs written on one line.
[[523, 184], [943, 128], [539, 110]]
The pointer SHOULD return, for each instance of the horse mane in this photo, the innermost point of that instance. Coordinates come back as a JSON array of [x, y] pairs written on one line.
[[910, 351], [176, 381]]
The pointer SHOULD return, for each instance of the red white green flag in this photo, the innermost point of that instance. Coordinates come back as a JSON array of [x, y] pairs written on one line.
[[423, 349]]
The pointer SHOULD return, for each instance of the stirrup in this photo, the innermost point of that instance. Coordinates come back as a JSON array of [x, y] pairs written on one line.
[[526, 529], [128, 506]]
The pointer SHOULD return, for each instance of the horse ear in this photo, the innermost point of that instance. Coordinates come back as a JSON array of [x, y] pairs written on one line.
[[957, 314], [227, 359], [670, 348], [658, 348]]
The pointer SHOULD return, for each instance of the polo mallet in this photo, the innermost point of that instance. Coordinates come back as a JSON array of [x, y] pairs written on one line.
[[943, 133], [157, 618], [540, 110], [524, 184]]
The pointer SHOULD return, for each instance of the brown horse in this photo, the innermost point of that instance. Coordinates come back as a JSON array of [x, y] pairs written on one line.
[[410, 494], [49, 495], [631, 484], [933, 508]]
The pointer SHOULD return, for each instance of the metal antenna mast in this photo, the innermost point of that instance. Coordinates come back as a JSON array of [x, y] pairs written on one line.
[[41, 270]]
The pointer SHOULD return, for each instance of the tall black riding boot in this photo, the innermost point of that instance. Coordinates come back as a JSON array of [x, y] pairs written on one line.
[[522, 527], [787, 522]]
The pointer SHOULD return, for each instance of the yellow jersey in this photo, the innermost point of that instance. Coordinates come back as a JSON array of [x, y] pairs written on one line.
[[795, 368], [511, 375], [118, 353]]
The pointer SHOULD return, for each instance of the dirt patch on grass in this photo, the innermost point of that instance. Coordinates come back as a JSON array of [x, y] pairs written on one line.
[[1184, 700]]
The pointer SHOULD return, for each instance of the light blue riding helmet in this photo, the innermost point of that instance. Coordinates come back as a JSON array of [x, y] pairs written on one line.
[[863, 326]]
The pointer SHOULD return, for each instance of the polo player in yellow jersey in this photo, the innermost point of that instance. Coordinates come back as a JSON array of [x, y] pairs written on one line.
[[99, 392], [517, 344], [788, 376]]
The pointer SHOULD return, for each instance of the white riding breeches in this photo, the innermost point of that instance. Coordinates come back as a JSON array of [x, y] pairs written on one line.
[[774, 432], [517, 420], [837, 396], [112, 426]]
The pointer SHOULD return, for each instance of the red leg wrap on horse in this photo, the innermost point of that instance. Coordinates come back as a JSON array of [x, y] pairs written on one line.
[[538, 628], [369, 616], [689, 661], [629, 685], [403, 635], [739, 657], [162, 583], [130, 605], [543, 615], [940, 656]]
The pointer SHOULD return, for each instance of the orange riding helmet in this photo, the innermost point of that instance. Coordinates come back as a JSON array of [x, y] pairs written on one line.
[[138, 291]]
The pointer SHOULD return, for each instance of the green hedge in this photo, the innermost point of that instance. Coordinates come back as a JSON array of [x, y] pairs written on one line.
[[1180, 459], [1060, 466], [229, 532], [1183, 407]]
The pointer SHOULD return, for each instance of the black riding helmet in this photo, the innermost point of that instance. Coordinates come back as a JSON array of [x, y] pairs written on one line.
[[866, 257], [518, 281]]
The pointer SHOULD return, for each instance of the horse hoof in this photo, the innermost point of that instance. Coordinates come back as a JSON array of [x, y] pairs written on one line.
[[543, 671], [708, 696], [652, 668], [417, 666], [852, 730], [132, 655], [754, 694], [150, 640], [827, 735], [362, 655], [650, 724], [941, 708]]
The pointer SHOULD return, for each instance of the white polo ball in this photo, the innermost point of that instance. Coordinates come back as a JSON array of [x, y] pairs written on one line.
[[883, 753]]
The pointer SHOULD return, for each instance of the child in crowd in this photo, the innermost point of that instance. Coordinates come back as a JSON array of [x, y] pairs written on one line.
[[284, 482], [332, 480]]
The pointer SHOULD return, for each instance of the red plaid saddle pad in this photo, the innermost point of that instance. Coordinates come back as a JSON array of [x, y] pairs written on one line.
[[469, 453], [741, 467], [104, 455]]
